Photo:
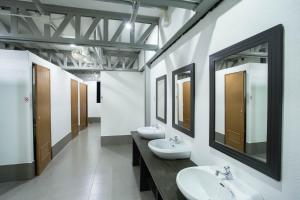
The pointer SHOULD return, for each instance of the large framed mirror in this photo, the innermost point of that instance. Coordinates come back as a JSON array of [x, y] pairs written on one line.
[[246, 101], [161, 98], [183, 99]]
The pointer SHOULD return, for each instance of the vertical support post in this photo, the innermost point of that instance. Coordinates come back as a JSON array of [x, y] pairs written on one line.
[[77, 26], [132, 33], [109, 61], [14, 21], [47, 30], [135, 154], [144, 176], [105, 29]]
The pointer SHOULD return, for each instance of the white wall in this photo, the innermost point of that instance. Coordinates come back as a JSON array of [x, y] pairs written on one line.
[[122, 107], [16, 124], [228, 24], [15, 112], [60, 98], [93, 106]]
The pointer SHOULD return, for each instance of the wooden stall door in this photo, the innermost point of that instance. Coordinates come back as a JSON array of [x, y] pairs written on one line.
[[235, 110], [74, 108], [186, 87], [83, 106], [43, 118]]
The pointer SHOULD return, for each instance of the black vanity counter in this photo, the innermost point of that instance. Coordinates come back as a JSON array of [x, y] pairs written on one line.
[[162, 172]]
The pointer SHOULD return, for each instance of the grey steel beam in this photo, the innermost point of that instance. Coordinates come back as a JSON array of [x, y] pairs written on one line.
[[105, 29], [118, 32], [203, 5], [129, 3], [146, 34], [160, 3], [13, 21], [120, 53], [31, 24], [82, 68], [80, 11], [39, 6], [92, 28], [93, 69], [173, 3], [5, 26], [80, 42], [207, 6], [77, 26], [63, 25], [132, 33], [73, 61], [116, 63], [130, 64]]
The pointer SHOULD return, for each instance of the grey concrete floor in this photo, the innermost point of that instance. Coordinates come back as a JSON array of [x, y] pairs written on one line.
[[83, 170]]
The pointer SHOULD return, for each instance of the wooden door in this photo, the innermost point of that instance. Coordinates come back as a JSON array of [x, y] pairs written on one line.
[[186, 90], [235, 110], [74, 108], [83, 106], [42, 118]]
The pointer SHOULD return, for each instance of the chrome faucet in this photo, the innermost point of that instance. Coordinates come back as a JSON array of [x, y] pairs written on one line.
[[174, 140], [227, 173]]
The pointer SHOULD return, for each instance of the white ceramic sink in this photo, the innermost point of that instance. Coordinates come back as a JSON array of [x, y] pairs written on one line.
[[166, 149], [201, 183], [151, 132]]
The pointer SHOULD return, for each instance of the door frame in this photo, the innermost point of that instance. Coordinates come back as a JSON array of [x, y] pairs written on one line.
[[77, 127], [33, 103], [86, 105]]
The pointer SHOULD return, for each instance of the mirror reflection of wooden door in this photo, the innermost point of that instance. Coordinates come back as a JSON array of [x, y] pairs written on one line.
[[83, 106], [235, 110], [74, 108], [186, 92], [43, 118]]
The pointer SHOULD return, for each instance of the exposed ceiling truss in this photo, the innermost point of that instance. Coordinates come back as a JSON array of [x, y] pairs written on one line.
[[107, 50], [163, 4], [109, 53]]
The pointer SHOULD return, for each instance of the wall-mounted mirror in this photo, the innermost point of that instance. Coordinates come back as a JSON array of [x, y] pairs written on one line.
[[183, 99], [161, 98], [246, 101]]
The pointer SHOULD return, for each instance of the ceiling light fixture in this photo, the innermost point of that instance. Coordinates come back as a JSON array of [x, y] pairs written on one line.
[[128, 25]]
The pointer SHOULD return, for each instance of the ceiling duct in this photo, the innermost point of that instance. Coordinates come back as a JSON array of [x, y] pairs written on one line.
[[83, 55]]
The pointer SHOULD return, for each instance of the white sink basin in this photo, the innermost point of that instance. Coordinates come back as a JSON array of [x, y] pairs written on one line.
[[166, 149], [201, 183], [151, 132]]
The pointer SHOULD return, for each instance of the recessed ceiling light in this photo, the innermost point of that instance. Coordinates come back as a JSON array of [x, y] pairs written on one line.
[[128, 25]]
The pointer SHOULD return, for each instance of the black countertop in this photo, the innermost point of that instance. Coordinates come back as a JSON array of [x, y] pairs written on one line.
[[163, 171]]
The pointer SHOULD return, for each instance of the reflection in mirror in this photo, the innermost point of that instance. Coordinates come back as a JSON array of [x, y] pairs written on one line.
[[183, 99], [161, 98], [241, 100]]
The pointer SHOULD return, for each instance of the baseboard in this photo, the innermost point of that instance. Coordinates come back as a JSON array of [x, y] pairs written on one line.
[[61, 144], [116, 140], [17, 172], [94, 119]]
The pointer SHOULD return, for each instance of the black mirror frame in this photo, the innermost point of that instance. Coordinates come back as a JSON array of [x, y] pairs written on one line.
[[190, 67], [164, 78], [274, 38]]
